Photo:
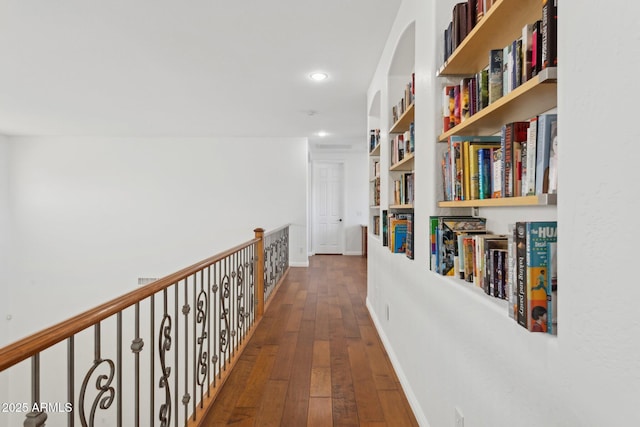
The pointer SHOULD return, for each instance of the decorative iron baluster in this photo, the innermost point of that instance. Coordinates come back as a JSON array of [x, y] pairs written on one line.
[[208, 330], [224, 318], [152, 338], [215, 359], [164, 345], [71, 377], [232, 307], [176, 377], [186, 397], [202, 309], [136, 348], [35, 418], [106, 393], [241, 312], [119, 365]]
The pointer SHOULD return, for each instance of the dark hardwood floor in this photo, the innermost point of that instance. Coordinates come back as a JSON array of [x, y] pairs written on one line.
[[316, 358]]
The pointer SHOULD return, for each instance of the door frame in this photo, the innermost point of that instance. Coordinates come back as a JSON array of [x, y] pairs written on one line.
[[312, 204]]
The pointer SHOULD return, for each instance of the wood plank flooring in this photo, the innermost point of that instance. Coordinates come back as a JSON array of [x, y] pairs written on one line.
[[316, 358]]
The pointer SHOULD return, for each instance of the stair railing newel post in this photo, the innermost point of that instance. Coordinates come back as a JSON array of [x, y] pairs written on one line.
[[259, 272]]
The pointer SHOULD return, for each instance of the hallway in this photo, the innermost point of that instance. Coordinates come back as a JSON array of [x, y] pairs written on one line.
[[316, 358]]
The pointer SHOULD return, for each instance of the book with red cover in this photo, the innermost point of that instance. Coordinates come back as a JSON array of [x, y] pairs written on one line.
[[511, 136]]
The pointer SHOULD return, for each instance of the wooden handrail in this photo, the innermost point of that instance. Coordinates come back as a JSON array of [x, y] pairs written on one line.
[[33, 344]]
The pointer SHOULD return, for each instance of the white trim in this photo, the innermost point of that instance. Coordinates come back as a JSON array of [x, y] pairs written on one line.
[[353, 253], [299, 263], [406, 387]]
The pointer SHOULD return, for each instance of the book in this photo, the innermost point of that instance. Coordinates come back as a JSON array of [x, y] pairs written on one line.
[[516, 61], [409, 241], [385, 228], [543, 148], [552, 288], [496, 182], [520, 274], [468, 248], [495, 75], [530, 182], [448, 105], [510, 279], [553, 159], [485, 159], [482, 85], [456, 105], [507, 68], [465, 98], [538, 235], [527, 40], [549, 30], [433, 239], [499, 278], [536, 49], [455, 158]]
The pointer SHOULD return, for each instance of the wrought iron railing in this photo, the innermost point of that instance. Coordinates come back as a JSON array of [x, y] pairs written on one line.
[[184, 333], [276, 258]]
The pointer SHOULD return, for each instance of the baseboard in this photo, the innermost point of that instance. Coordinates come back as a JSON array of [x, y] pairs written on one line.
[[406, 387], [353, 253], [299, 263]]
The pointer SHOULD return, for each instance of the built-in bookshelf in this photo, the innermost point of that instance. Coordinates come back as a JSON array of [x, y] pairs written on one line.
[[374, 159], [525, 99], [535, 96]]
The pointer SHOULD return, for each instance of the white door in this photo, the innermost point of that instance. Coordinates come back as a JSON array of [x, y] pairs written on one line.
[[328, 229]]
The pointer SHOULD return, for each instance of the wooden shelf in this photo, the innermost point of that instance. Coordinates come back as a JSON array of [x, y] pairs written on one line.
[[538, 200], [500, 26], [374, 207], [405, 164], [408, 206], [402, 125], [375, 151], [528, 100]]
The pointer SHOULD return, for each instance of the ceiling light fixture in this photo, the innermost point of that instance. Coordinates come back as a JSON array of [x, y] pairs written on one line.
[[322, 134], [318, 76]]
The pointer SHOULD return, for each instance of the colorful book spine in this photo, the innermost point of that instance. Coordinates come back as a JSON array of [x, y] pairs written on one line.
[[520, 276], [495, 75], [539, 234], [549, 29], [552, 288], [484, 172], [496, 182]]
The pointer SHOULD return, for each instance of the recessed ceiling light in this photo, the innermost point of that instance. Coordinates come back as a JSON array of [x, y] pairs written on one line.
[[318, 76], [322, 133]]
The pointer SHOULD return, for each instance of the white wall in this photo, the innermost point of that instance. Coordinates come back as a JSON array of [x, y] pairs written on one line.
[[454, 347], [356, 194], [91, 215]]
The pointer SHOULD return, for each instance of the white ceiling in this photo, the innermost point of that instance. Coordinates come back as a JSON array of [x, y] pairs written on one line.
[[189, 68]]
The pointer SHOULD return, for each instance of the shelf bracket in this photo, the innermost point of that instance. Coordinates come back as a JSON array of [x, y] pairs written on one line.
[[475, 211]]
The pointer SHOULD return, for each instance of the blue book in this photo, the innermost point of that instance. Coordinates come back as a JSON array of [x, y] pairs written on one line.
[[485, 159]]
